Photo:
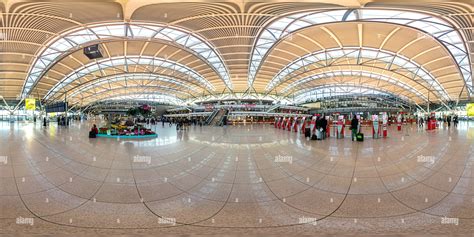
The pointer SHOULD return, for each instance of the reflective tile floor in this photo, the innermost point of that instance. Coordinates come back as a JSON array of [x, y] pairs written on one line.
[[251, 180]]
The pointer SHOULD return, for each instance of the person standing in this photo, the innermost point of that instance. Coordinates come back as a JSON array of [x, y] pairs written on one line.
[[455, 120], [448, 119], [324, 126], [354, 127]]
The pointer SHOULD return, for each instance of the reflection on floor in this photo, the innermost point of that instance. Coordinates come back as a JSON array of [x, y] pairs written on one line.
[[249, 179]]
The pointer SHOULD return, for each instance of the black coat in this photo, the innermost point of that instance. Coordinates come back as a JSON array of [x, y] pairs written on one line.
[[324, 124], [354, 123]]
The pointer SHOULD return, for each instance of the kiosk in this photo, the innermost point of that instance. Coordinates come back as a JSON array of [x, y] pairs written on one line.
[[295, 124], [289, 123], [384, 124], [431, 122], [328, 130], [312, 125], [282, 124], [340, 127], [399, 122], [375, 127], [302, 124]]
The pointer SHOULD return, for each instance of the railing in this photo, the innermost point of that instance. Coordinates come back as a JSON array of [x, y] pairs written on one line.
[[211, 117], [218, 117], [273, 108], [197, 114], [221, 120]]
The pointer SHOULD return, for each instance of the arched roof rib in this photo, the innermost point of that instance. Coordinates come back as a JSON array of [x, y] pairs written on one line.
[[433, 26], [319, 92], [129, 78], [73, 39], [353, 73], [324, 58], [142, 96], [128, 60]]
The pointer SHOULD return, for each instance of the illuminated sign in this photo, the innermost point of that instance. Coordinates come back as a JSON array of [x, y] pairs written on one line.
[[470, 109], [30, 104]]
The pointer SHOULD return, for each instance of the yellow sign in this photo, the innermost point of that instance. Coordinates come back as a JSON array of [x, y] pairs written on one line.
[[470, 109], [315, 105], [30, 104]]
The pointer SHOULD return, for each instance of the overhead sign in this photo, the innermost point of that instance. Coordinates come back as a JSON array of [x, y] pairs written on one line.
[[470, 109], [56, 107], [314, 105], [30, 104]]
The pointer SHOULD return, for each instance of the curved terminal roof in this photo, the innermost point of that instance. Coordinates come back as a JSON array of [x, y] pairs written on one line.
[[196, 51]]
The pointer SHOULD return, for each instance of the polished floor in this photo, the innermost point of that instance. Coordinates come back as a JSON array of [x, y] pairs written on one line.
[[248, 179]]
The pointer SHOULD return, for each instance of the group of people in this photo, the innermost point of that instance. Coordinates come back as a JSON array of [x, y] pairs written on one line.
[[446, 120], [321, 128], [62, 120], [185, 123], [148, 121]]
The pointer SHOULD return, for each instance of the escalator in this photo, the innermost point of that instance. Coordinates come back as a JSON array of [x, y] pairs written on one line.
[[218, 118], [211, 117]]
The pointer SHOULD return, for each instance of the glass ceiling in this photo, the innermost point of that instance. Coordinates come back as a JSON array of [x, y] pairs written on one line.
[[355, 73], [321, 58], [73, 39], [239, 96], [128, 78], [432, 26], [151, 97], [128, 60], [136, 89], [325, 91]]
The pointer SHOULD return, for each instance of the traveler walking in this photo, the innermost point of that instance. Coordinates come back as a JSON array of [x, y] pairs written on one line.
[[324, 126], [354, 127]]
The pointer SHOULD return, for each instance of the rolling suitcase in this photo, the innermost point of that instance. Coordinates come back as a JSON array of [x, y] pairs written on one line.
[[360, 137], [314, 137]]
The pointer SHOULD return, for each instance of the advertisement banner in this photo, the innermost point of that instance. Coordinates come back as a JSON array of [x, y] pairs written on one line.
[[470, 109], [30, 104]]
